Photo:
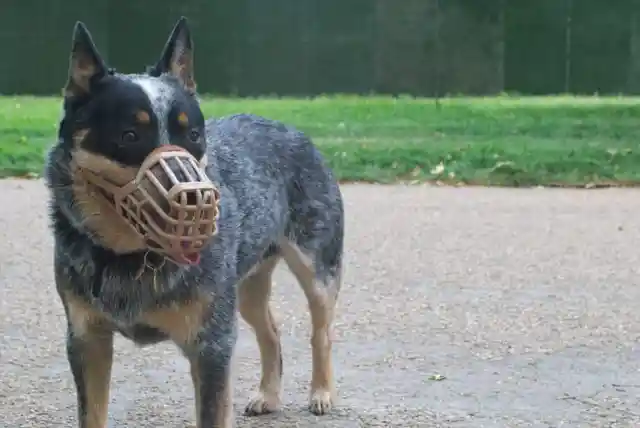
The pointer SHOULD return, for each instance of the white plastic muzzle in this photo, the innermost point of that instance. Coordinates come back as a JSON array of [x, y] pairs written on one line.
[[171, 203]]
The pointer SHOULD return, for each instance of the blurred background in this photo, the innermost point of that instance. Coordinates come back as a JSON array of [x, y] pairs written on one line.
[[310, 47]]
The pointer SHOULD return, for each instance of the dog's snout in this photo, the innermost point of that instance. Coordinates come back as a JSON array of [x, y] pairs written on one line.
[[180, 171]]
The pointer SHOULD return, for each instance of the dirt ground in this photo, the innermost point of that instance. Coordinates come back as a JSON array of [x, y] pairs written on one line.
[[462, 307]]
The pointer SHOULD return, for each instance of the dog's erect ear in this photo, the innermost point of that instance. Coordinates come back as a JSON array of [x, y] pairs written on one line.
[[177, 56], [85, 63]]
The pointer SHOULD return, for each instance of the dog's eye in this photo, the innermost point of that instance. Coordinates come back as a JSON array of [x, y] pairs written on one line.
[[194, 135], [129, 137]]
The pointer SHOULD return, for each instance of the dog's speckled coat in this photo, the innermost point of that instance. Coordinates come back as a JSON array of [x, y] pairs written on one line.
[[278, 200]]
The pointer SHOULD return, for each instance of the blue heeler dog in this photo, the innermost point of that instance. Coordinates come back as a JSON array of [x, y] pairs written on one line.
[[277, 200]]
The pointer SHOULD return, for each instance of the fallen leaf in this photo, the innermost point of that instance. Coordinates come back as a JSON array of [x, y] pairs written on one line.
[[438, 169], [437, 377]]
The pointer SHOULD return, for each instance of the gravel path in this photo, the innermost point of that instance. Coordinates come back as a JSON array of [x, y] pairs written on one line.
[[525, 301]]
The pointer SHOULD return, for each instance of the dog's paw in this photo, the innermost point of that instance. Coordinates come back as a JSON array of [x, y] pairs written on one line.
[[320, 402], [262, 403]]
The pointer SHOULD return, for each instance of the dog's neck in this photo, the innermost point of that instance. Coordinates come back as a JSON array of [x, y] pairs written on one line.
[[96, 262], [121, 285]]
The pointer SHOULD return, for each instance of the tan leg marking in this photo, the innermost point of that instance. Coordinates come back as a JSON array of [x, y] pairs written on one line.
[[195, 378], [322, 300], [181, 322], [224, 404], [253, 296], [97, 358]]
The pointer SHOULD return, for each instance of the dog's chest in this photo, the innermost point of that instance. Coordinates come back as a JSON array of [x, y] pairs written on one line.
[[125, 298]]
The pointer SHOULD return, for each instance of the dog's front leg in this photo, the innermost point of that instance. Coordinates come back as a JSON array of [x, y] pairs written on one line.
[[206, 332], [211, 375], [90, 355]]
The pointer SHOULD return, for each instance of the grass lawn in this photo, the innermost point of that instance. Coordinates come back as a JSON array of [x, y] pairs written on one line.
[[494, 141]]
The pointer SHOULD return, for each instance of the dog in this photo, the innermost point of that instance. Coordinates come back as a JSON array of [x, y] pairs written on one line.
[[277, 200]]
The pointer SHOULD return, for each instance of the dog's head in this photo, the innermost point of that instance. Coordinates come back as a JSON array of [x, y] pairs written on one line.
[[113, 121]]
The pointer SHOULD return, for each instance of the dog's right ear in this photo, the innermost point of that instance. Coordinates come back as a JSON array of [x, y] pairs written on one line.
[[85, 63], [177, 56]]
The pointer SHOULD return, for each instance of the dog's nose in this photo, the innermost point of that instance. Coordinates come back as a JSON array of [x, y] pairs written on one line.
[[192, 197]]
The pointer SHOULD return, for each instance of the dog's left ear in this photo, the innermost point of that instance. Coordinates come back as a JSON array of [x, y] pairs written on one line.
[[85, 63], [177, 56]]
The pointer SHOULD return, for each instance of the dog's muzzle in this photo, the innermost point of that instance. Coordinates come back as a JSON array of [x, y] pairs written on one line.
[[171, 203]]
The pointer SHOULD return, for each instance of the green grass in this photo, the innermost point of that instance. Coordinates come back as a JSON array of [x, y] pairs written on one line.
[[495, 141]]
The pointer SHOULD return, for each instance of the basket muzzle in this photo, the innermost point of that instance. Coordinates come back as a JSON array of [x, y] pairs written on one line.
[[171, 203]]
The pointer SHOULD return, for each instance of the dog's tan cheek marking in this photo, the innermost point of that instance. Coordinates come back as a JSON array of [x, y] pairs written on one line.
[[111, 170], [182, 322], [112, 230], [92, 328], [99, 214]]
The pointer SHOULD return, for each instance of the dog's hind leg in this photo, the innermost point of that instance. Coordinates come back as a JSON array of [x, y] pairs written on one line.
[[321, 284], [253, 295]]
